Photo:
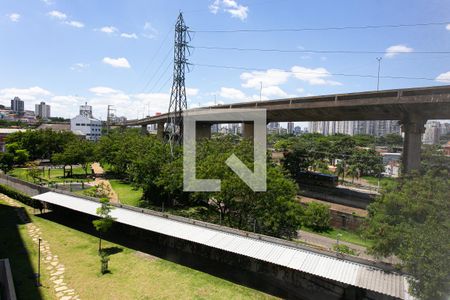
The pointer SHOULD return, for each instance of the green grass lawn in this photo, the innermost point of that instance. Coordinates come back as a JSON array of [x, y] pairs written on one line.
[[132, 275], [127, 194], [17, 246], [383, 180], [56, 175], [347, 236]]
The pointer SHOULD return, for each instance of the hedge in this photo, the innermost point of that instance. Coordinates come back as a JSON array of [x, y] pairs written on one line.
[[13, 193]]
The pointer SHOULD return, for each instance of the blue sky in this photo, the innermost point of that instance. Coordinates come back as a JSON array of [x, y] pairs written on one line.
[[120, 52]]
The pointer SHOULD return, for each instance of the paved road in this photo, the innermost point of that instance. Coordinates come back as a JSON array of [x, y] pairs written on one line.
[[327, 243]]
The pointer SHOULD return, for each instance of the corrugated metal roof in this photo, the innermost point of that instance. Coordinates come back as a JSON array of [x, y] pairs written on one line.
[[348, 272]]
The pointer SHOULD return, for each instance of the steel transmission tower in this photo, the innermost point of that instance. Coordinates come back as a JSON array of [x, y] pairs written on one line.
[[178, 102]]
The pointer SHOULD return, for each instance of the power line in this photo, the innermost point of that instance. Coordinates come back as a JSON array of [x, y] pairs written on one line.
[[158, 69], [315, 73], [322, 28], [315, 51], [163, 74]]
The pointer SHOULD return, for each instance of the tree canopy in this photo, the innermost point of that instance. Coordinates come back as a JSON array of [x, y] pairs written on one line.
[[411, 220]]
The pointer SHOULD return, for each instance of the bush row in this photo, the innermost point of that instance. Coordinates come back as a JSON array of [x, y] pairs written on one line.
[[13, 193]]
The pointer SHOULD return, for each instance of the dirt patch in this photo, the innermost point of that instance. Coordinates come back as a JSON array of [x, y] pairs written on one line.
[[146, 256]]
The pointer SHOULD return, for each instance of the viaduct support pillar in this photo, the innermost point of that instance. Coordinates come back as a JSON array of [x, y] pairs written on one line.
[[248, 130], [412, 144], [160, 131], [202, 130], [144, 129]]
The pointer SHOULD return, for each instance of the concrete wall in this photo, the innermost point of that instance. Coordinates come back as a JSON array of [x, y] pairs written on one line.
[[7, 291], [22, 186], [338, 195]]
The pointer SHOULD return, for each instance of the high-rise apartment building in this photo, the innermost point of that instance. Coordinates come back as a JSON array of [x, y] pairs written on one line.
[[377, 128], [17, 105], [42, 111]]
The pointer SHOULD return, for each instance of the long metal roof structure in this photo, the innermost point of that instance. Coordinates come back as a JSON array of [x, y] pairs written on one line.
[[345, 271]]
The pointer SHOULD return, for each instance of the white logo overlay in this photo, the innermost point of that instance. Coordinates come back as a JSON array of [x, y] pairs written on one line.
[[193, 119]]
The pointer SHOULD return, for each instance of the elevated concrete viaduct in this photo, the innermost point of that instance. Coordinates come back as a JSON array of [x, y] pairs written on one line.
[[412, 107]]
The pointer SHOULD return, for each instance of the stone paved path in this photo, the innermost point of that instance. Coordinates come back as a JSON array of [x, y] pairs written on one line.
[[52, 264]]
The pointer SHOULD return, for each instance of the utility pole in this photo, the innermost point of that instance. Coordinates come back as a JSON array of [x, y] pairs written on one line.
[[178, 101], [378, 77], [260, 91], [108, 118]]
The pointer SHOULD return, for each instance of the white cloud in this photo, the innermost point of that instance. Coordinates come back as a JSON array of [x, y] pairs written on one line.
[[57, 15], [129, 35], [240, 12], [120, 62], [447, 27], [214, 7], [270, 77], [444, 77], [235, 9], [79, 67], [397, 49], [75, 24], [32, 93], [67, 106], [108, 29], [102, 90], [192, 91], [313, 76], [14, 17], [63, 18], [129, 105], [273, 91], [48, 2], [150, 32], [232, 93]]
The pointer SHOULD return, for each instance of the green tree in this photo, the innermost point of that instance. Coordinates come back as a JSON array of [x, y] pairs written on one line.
[[149, 156], [105, 222], [364, 140], [411, 220], [275, 212], [6, 161], [33, 171], [118, 149], [76, 152], [21, 156], [41, 144], [317, 216], [366, 162]]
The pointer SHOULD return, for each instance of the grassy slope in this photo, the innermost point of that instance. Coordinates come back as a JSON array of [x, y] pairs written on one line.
[[347, 236], [14, 240], [132, 277], [127, 194]]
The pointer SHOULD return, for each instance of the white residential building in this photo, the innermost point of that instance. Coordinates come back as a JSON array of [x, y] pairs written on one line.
[[85, 124]]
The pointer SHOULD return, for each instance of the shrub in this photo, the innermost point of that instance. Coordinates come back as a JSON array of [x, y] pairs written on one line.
[[10, 192], [341, 248], [317, 216]]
